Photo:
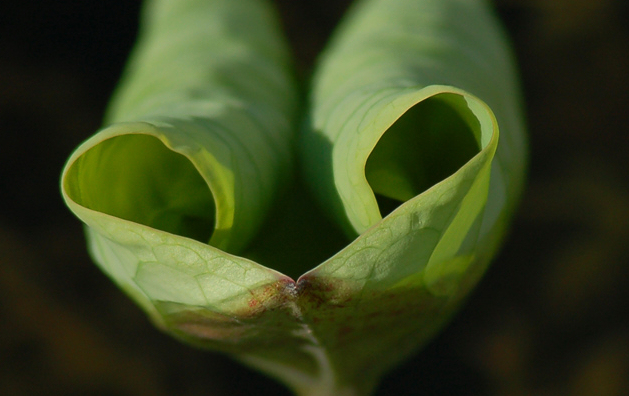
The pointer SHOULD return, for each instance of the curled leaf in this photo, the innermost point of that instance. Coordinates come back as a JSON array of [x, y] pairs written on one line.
[[413, 145]]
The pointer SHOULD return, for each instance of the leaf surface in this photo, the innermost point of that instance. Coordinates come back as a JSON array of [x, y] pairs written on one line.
[[412, 145]]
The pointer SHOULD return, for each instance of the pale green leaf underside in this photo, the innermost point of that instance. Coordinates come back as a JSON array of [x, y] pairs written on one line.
[[201, 96], [400, 147]]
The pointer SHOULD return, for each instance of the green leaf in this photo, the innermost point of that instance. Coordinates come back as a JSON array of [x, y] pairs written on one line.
[[401, 116], [184, 192], [201, 129]]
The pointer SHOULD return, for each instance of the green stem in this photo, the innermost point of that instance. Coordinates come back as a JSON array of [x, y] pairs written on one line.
[[326, 381]]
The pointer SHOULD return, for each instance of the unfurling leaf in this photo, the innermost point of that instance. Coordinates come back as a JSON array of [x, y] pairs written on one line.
[[201, 175]]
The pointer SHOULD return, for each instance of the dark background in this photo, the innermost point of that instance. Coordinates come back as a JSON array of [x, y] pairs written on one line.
[[548, 319]]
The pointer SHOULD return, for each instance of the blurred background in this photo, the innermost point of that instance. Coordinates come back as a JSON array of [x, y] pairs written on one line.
[[548, 318]]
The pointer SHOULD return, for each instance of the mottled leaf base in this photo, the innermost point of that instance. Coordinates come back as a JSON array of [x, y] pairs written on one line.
[[315, 335]]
